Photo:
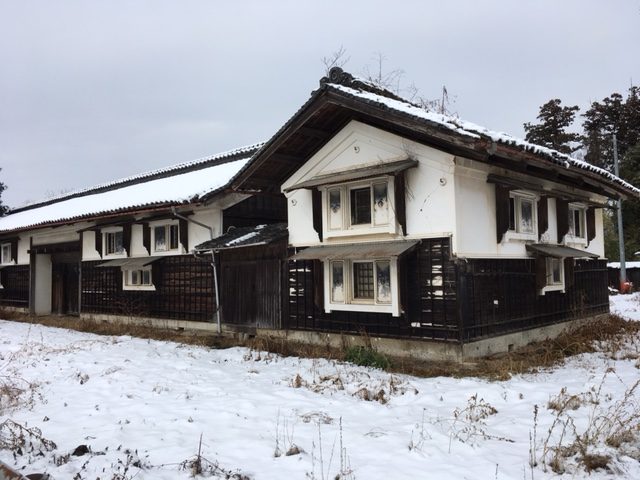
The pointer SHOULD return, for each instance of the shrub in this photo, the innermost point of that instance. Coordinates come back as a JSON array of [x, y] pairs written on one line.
[[367, 357]]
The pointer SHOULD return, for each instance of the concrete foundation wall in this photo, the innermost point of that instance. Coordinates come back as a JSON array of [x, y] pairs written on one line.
[[160, 323], [430, 350]]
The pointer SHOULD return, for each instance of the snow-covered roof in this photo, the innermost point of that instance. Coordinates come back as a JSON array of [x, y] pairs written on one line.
[[627, 264], [246, 237], [369, 93], [183, 183]]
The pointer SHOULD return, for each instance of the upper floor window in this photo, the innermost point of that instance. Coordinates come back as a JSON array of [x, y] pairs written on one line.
[[166, 238], [6, 253], [577, 221], [522, 213], [114, 243], [355, 206]]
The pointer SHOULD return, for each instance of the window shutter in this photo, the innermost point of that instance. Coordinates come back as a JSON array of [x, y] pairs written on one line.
[[14, 250], [146, 237], [502, 211], [318, 285], [184, 233], [569, 273], [562, 217], [399, 198], [317, 211], [98, 241], [543, 216], [126, 238], [591, 224], [541, 272]]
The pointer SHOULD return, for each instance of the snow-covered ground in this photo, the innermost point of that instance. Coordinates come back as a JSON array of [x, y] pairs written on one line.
[[142, 406]]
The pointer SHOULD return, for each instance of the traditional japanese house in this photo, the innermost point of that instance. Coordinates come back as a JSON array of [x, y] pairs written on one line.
[[124, 249], [427, 233]]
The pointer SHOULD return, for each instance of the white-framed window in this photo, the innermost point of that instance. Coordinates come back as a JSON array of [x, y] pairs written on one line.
[[554, 274], [358, 206], [523, 216], [113, 242], [137, 279], [166, 238], [5, 252], [577, 223], [366, 285]]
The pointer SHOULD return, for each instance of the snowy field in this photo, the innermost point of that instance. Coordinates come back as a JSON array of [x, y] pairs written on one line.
[[142, 406]]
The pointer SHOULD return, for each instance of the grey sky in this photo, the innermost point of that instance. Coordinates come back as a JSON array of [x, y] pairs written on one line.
[[93, 91]]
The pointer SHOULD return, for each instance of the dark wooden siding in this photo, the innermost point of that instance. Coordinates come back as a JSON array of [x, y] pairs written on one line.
[[184, 290], [15, 281], [430, 307], [251, 285], [462, 300], [500, 296], [256, 210]]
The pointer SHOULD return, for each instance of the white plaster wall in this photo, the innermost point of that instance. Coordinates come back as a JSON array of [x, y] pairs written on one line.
[[89, 251], [430, 200], [57, 235], [300, 215], [137, 245], [23, 249], [42, 294], [476, 217], [198, 234]]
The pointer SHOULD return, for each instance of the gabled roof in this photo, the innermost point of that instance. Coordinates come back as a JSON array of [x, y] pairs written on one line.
[[343, 97], [246, 237], [185, 183]]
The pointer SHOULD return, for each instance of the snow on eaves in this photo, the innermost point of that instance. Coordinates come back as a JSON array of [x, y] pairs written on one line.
[[627, 264], [476, 131], [174, 189]]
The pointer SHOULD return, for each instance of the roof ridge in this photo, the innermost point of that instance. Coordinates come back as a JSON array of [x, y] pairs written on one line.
[[171, 170], [346, 79]]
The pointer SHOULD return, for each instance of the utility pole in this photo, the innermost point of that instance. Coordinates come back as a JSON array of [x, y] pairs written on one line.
[[623, 267]]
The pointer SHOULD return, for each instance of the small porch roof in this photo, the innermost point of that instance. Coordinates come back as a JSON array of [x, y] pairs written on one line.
[[130, 263], [353, 251], [558, 251]]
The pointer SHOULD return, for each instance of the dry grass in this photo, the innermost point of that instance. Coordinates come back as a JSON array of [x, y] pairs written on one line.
[[607, 334]]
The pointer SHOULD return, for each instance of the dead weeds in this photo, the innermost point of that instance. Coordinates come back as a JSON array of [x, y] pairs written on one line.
[[610, 334]]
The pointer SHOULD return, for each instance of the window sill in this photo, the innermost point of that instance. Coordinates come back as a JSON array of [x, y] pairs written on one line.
[[144, 288], [177, 251], [575, 241], [512, 236], [360, 307], [114, 255], [552, 288]]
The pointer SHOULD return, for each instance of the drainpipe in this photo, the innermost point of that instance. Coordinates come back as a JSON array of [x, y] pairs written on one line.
[[213, 262]]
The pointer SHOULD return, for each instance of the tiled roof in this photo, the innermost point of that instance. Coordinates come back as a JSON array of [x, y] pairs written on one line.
[[247, 236], [183, 183]]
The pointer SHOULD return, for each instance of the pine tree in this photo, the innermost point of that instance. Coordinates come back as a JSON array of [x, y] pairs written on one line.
[[614, 114], [552, 130]]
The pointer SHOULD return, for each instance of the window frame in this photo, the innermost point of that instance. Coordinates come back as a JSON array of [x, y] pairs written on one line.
[[128, 284], [3, 260], [340, 223], [106, 234], [571, 237], [550, 284], [168, 227], [349, 300], [517, 197]]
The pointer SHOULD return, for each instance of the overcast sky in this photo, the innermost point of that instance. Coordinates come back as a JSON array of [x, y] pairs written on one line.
[[92, 91]]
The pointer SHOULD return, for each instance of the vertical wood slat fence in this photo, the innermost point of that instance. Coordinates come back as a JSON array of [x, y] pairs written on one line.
[[184, 290], [15, 283]]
